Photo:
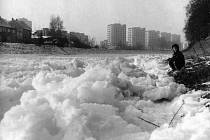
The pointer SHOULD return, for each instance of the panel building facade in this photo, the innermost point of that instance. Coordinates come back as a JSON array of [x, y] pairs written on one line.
[[116, 35], [136, 37], [166, 36], [175, 38], [152, 39]]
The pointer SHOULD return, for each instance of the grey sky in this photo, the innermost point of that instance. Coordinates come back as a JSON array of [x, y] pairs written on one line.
[[93, 16]]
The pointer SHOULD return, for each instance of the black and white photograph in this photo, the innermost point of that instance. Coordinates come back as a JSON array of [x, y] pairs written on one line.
[[104, 69]]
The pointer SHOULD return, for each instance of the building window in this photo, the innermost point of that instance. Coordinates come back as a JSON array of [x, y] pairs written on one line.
[[0, 29]]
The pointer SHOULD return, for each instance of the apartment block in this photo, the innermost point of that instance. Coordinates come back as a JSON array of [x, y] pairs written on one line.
[[152, 39], [175, 38], [116, 35], [136, 37], [166, 36]]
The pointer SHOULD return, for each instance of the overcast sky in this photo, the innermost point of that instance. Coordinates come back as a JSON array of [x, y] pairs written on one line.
[[93, 16]]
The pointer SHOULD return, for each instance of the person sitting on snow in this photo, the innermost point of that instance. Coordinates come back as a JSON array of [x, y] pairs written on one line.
[[177, 62]]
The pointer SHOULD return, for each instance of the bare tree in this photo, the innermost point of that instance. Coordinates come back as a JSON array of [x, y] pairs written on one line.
[[56, 23], [56, 26]]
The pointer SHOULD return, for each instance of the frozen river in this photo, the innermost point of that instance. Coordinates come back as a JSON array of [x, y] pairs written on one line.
[[97, 97]]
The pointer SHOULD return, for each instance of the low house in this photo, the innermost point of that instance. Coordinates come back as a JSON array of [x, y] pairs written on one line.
[[7, 32], [14, 31], [81, 36], [23, 31]]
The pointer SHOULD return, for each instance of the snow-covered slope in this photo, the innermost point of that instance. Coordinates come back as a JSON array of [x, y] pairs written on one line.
[[96, 98]]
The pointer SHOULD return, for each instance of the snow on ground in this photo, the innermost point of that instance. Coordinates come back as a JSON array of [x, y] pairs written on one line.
[[96, 98]]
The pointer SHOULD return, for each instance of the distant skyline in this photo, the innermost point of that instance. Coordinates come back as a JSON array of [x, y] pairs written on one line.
[[93, 16]]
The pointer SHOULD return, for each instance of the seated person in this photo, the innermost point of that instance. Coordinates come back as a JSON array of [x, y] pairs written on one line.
[[177, 62]]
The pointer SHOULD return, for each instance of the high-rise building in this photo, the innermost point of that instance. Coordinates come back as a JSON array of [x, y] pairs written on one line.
[[152, 39], [136, 37], [166, 36], [175, 38], [26, 21], [165, 42], [116, 35]]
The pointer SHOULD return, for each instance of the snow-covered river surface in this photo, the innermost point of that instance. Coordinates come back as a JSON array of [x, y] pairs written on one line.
[[97, 98]]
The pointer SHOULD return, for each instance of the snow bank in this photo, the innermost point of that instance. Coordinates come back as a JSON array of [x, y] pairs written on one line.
[[195, 122], [192, 128], [11, 91], [65, 98]]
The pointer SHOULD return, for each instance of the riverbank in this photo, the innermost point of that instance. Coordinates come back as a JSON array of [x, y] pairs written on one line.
[[18, 48], [196, 75]]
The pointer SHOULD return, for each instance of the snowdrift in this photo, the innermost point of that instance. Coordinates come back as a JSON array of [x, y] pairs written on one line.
[[62, 98]]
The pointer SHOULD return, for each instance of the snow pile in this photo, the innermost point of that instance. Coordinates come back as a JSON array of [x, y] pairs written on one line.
[[166, 92], [67, 108], [16, 76], [11, 91], [82, 100], [193, 126], [149, 81]]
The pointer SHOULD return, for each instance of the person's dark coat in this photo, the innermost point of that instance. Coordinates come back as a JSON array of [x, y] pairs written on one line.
[[177, 61]]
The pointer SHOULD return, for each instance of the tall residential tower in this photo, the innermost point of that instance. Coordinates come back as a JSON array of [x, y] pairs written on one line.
[[175, 38], [136, 37], [166, 36], [152, 39], [116, 35]]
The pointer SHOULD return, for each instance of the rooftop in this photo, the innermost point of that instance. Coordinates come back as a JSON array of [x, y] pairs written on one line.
[[4, 22], [19, 24]]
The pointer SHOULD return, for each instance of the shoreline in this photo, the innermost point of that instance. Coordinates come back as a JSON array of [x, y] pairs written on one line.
[[18, 48]]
